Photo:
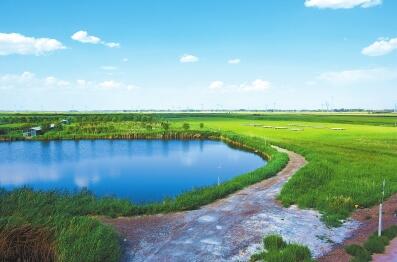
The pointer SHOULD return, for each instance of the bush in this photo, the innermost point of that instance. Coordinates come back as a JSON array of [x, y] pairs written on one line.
[[273, 242], [277, 250], [359, 253], [297, 252], [257, 257], [390, 233], [375, 244]]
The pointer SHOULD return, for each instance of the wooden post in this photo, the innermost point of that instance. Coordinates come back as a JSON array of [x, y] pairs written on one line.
[[380, 210]]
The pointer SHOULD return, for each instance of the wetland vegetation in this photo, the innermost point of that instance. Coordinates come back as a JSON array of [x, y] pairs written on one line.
[[349, 155]]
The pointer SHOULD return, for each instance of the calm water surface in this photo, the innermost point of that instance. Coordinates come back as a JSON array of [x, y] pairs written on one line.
[[140, 170]]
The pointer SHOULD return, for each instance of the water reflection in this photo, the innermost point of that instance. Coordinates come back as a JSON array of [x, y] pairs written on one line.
[[141, 170]]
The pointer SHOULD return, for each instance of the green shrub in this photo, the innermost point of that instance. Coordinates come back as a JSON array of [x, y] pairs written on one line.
[[390, 233], [298, 252], [257, 257], [277, 250], [273, 242], [375, 244], [274, 256], [358, 252]]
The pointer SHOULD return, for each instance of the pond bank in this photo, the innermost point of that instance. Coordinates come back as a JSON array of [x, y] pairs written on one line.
[[229, 229]]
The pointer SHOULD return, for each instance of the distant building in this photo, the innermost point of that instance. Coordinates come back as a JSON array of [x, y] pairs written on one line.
[[52, 125], [34, 131]]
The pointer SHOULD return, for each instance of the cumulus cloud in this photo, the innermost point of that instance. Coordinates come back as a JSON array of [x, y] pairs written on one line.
[[186, 58], [216, 85], [355, 76], [234, 61], [342, 4], [14, 43], [257, 85], [84, 37], [380, 47]]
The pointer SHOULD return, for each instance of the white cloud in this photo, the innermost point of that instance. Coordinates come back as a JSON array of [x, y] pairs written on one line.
[[257, 85], [109, 84], [84, 37], [53, 81], [355, 76], [112, 84], [112, 45], [14, 43], [186, 58], [342, 4], [109, 68], [380, 47], [30, 80], [234, 61], [216, 85], [82, 83]]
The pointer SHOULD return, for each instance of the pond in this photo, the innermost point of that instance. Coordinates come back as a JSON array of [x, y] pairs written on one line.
[[139, 170]]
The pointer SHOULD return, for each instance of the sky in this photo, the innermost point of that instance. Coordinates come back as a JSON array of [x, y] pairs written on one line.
[[207, 54]]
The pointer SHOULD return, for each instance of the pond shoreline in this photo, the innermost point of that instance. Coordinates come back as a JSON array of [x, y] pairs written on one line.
[[229, 229]]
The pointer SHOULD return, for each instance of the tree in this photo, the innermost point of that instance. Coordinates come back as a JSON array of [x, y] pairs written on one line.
[[201, 125], [186, 126]]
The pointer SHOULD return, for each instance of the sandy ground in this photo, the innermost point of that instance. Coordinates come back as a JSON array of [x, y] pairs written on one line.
[[368, 218], [230, 229]]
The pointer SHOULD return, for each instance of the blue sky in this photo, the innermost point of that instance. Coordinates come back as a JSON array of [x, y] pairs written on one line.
[[295, 54]]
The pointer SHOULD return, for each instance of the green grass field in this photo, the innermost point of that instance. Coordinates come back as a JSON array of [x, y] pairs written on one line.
[[346, 167]]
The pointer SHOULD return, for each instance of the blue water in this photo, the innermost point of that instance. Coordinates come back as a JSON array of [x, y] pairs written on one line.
[[139, 170]]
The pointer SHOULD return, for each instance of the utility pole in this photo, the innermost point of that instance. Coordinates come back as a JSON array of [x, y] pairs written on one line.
[[380, 209]]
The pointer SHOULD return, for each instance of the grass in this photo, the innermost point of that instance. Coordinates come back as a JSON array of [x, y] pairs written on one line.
[[345, 168], [69, 218], [277, 250], [374, 244]]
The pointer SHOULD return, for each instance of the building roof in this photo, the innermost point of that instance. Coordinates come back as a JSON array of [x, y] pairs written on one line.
[[36, 128]]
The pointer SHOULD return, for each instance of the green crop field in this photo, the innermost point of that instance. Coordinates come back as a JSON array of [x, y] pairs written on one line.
[[348, 158]]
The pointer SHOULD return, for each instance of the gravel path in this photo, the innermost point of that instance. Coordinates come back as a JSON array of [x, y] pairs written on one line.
[[229, 229]]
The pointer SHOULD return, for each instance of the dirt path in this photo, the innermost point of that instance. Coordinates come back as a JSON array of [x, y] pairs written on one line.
[[230, 229], [368, 218]]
